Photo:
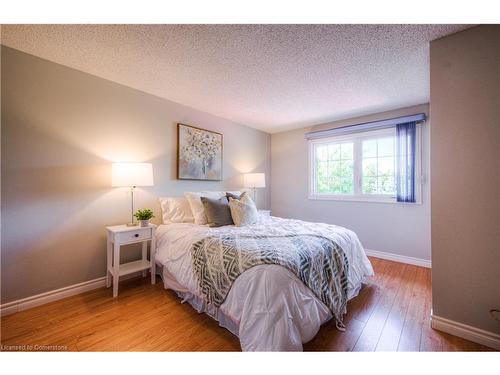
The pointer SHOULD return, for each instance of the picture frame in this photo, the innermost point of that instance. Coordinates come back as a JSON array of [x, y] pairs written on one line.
[[199, 154]]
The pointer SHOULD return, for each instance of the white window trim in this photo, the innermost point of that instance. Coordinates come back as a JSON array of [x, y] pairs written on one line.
[[356, 197]]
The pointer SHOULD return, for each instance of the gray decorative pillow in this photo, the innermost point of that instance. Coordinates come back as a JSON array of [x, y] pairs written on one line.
[[217, 211], [243, 211], [234, 196]]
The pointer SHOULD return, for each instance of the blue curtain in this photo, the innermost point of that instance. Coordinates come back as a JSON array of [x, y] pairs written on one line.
[[406, 135]]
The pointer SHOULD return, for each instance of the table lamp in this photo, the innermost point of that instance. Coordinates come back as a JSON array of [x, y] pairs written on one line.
[[254, 181], [131, 175]]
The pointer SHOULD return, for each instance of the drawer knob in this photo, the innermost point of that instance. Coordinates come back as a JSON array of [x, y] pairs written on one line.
[[136, 235]]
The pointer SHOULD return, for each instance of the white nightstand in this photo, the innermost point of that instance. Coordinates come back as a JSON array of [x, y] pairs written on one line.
[[265, 212], [123, 235]]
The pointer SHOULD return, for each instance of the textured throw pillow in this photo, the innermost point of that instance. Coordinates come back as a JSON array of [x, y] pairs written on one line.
[[217, 211], [194, 199], [243, 211], [176, 210]]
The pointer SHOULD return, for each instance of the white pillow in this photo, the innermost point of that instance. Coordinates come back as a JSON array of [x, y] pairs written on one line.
[[243, 211], [197, 208], [176, 210]]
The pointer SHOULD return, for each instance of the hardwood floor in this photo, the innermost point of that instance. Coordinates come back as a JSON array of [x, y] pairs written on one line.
[[390, 314]]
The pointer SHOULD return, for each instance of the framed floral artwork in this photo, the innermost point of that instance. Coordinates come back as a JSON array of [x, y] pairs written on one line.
[[199, 154]]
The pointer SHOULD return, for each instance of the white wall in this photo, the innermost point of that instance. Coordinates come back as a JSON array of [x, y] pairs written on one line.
[[61, 130], [388, 227]]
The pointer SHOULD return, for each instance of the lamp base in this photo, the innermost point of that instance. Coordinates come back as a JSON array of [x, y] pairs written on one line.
[[132, 224]]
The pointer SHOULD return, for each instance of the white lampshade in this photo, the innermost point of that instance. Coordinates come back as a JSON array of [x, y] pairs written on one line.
[[131, 174], [254, 180]]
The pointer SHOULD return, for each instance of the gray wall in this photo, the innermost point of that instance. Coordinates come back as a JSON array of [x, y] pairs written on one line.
[[465, 149], [395, 228], [61, 129]]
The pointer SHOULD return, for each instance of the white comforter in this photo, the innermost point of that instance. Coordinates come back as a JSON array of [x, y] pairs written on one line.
[[268, 307]]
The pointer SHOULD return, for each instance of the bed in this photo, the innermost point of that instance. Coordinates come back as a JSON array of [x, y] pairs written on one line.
[[268, 307]]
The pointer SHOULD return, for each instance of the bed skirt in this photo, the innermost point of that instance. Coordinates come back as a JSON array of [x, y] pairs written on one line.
[[197, 303]]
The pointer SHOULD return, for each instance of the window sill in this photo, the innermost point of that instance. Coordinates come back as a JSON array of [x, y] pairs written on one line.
[[351, 198]]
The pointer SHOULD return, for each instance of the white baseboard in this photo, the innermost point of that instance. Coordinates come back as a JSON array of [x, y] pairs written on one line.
[[465, 331], [53, 295], [399, 258]]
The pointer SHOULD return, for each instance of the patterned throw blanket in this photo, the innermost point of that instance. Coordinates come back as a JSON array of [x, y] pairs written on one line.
[[316, 260]]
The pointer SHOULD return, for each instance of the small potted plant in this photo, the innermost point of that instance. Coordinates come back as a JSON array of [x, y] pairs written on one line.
[[144, 216]]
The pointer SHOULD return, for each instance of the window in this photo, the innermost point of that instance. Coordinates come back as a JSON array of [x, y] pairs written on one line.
[[378, 166], [334, 166], [359, 166]]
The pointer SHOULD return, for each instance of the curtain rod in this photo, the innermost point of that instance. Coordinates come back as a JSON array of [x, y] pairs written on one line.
[[366, 126]]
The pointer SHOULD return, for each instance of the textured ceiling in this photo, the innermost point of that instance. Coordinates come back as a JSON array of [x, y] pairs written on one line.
[[270, 77]]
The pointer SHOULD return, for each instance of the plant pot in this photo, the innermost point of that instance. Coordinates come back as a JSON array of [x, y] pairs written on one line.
[[144, 223]]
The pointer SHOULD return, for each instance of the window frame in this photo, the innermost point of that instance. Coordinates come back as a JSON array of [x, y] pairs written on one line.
[[357, 139]]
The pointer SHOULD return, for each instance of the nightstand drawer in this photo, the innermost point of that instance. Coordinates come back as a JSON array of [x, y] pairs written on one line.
[[134, 235]]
